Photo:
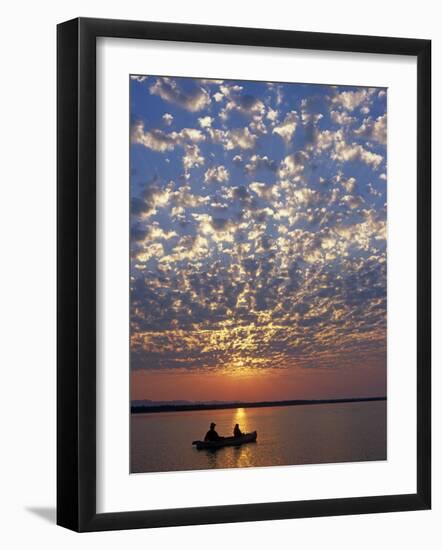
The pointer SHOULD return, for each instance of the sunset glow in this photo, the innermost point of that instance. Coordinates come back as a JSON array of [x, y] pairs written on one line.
[[258, 240]]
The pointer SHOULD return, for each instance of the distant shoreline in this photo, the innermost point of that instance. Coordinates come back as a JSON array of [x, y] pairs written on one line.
[[139, 409]]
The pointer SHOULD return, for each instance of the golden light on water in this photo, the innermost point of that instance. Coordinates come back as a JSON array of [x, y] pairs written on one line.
[[243, 457], [240, 417]]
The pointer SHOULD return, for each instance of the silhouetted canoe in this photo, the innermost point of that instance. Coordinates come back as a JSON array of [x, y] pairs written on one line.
[[226, 441]]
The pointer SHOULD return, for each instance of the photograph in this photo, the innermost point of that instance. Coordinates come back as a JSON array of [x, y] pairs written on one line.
[[223, 254], [258, 273]]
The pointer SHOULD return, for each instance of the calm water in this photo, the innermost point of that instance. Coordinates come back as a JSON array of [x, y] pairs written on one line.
[[302, 434]]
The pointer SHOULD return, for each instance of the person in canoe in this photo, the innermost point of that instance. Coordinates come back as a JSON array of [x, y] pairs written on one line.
[[212, 434], [236, 431]]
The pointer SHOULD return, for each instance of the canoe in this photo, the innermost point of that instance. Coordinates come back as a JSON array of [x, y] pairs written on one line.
[[226, 441]]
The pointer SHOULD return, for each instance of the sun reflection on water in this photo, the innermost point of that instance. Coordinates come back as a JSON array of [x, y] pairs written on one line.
[[243, 456], [240, 415]]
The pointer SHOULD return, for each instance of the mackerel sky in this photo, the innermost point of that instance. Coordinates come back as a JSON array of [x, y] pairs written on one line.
[[258, 229]]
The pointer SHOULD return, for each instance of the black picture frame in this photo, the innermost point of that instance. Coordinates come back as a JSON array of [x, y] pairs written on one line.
[[76, 274]]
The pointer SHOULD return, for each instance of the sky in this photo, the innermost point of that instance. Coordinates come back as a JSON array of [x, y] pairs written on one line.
[[258, 240]]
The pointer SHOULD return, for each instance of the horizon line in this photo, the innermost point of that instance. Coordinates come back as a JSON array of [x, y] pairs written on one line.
[[167, 406]]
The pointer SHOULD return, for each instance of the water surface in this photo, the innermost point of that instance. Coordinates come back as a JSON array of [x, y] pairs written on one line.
[[301, 434]]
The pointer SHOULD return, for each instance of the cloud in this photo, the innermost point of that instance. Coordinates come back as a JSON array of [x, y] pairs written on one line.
[[156, 140], [272, 115], [246, 104], [348, 184], [304, 196], [350, 100], [287, 128], [374, 129], [216, 174], [250, 252], [324, 140], [169, 90], [263, 190], [352, 201], [167, 119], [342, 118], [192, 156], [258, 162], [310, 118], [258, 125], [183, 198], [189, 134], [152, 197], [277, 92], [293, 165], [138, 78], [205, 122], [159, 141], [241, 138], [157, 233], [341, 150], [237, 138], [210, 81], [345, 152]]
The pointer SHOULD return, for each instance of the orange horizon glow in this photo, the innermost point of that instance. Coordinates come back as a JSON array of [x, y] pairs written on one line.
[[352, 380]]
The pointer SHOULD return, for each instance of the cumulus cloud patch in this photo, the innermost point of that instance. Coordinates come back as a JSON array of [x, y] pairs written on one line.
[[205, 122], [216, 174], [239, 101], [192, 156], [160, 141], [342, 118], [374, 129], [236, 138], [287, 128], [345, 152], [138, 78], [169, 90], [167, 119], [293, 165], [258, 162], [350, 100]]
